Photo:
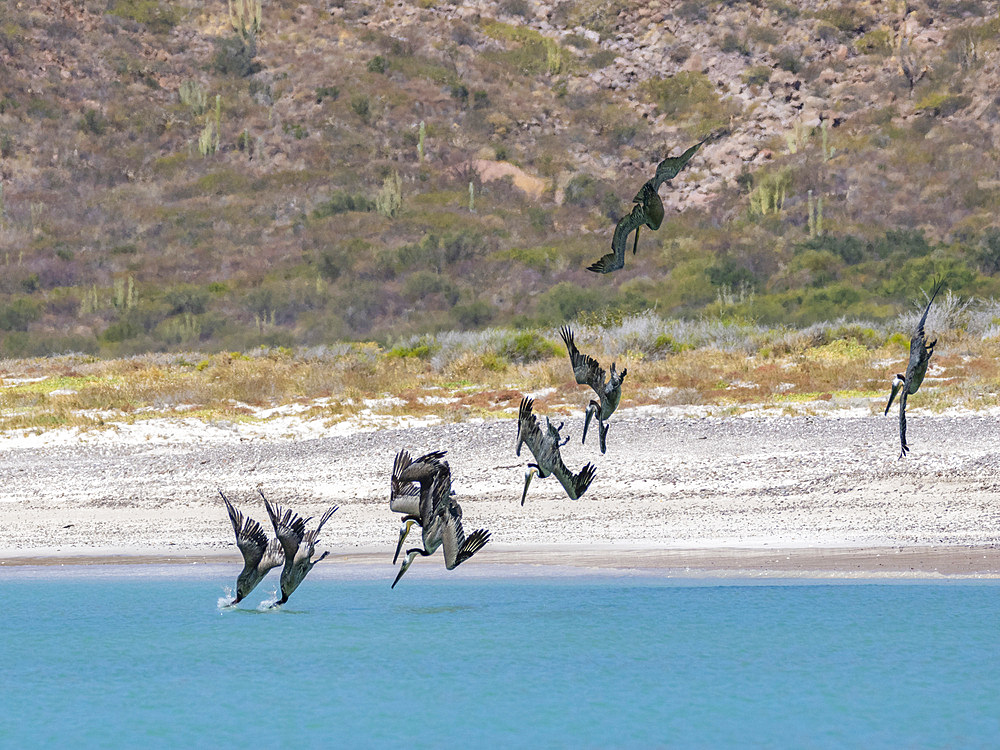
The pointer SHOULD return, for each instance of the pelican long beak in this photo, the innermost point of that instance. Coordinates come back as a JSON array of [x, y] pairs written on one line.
[[591, 411], [527, 481], [404, 567], [897, 383], [403, 532]]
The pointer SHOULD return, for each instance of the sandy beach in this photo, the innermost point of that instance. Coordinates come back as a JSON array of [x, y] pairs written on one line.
[[675, 495]]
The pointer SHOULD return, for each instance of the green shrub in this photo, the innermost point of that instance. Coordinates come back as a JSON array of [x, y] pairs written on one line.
[[361, 107], [473, 314], [157, 17], [875, 42], [690, 97], [528, 346], [235, 55], [327, 92], [19, 314], [93, 122], [377, 64], [758, 75], [341, 202], [943, 104], [566, 300]]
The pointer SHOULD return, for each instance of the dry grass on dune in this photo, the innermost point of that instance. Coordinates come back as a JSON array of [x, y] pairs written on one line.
[[454, 377]]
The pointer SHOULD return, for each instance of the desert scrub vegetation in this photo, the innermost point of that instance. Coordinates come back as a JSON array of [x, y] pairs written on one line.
[[715, 365], [301, 178]]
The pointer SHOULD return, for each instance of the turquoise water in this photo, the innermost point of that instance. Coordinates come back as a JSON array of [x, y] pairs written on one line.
[[144, 657]]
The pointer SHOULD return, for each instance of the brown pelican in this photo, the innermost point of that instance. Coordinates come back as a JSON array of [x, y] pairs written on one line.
[[441, 525], [589, 372], [648, 210], [298, 544], [920, 357], [410, 486], [545, 448], [259, 554]]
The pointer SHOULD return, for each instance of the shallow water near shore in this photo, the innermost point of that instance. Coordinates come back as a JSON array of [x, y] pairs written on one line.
[[122, 658]]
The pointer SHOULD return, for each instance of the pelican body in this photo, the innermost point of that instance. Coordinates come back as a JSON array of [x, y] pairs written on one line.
[[588, 371], [298, 544], [259, 554], [647, 210], [544, 446], [440, 526], [410, 488], [908, 383]]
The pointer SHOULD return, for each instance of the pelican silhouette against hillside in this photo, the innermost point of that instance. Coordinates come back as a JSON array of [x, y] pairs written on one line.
[[410, 486], [648, 211], [588, 371], [259, 554], [544, 446], [299, 545], [440, 520], [920, 357]]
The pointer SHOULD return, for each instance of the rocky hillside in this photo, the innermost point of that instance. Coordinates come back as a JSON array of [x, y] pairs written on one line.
[[187, 174]]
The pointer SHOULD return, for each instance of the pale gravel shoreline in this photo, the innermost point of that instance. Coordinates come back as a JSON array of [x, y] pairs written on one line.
[[753, 496]]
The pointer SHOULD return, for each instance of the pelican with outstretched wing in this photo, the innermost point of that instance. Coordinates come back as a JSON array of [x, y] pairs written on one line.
[[441, 526], [920, 357], [588, 371], [410, 487], [260, 555], [299, 545], [544, 446], [648, 210]]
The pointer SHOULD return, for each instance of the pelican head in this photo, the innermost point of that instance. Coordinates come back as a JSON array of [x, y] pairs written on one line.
[[405, 566], [243, 587], [404, 530], [897, 383]]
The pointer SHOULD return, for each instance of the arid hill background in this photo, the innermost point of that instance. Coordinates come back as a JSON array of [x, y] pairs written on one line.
[[196, 175]]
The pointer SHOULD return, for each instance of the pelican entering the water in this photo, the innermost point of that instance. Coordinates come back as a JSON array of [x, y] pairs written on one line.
[[441, 525], [298, 544], [259, 554], [920, 357], [544, 446], [648, 210], [609, 392]]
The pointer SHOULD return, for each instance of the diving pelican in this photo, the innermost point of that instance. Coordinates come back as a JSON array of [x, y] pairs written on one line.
[[259, 554], [545, 448], [298, 544], [441, 525], [410, 486], [920, 357], [648, 211], [589, 372]]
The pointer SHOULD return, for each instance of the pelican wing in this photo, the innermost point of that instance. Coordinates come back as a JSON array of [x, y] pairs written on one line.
[[448, 513], [574, 484], [528, 430], [411, 480], [920, 350], [310, 538], [586, 369], [670, 167], [250, 537], [404, 497], [274, 556], [619, 241], [289, 527], [903, 447]]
